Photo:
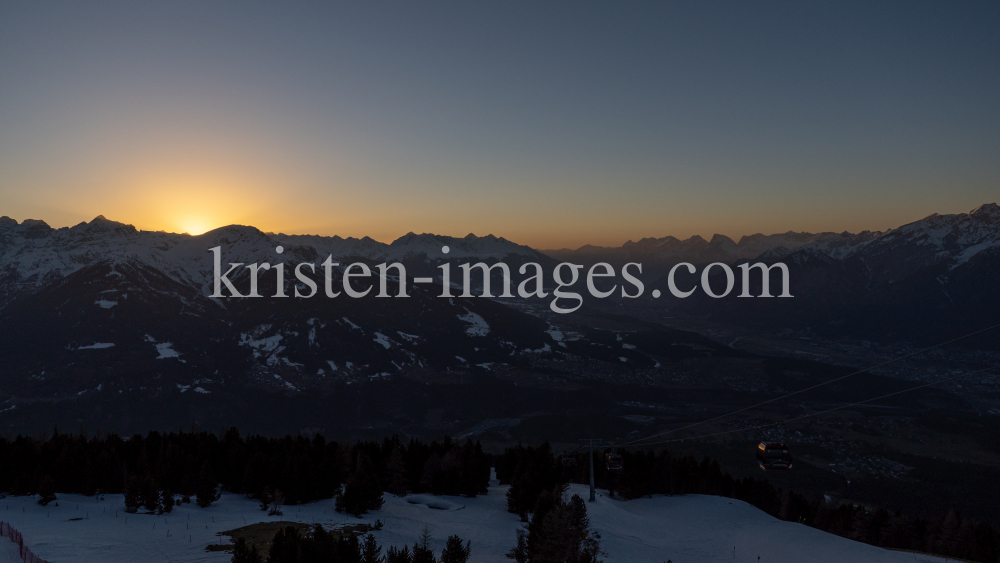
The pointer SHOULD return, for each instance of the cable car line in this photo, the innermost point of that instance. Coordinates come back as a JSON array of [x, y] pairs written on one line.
[[883, 364], [822, 412]]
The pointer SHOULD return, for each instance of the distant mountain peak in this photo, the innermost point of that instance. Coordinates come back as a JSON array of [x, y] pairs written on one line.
[[722, 240], [987, 209]]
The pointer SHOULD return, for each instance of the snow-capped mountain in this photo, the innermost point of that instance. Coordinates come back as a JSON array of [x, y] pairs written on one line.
[[656, 254], [927, 280], [952, 239], [32, 253], [102, 307], [412, 246]]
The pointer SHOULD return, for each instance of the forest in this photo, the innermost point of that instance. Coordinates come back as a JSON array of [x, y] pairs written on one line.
[[157, 470]]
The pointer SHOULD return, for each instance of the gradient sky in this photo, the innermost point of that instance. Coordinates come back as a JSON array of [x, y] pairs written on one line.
[[551, 124]]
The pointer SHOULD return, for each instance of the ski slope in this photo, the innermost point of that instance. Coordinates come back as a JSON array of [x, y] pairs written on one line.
[[683, 529]]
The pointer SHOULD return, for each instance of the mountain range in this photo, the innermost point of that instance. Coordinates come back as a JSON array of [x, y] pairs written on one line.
[[925, 281], [102, 309]]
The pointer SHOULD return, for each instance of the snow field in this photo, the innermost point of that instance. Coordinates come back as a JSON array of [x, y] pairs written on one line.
[[684, 529]]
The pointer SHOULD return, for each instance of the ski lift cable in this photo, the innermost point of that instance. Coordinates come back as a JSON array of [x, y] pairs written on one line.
[[834, 380], [826, 411]]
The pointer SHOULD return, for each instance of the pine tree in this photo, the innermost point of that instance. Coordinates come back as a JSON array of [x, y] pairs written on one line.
[[520, 551], [286, 547], [277, 502], [455, 552], [393, 555], [244, 552], [396, 473], [264, 498], [46, 491], [422, 552], [370, 550], [132, 496], [207, 488], [167, 501], [558, 531], [150, 495], [362, 491]]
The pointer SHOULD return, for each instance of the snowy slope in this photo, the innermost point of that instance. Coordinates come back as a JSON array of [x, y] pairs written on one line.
[[9, 552], [104, 308], [954, 239], [685, 529]]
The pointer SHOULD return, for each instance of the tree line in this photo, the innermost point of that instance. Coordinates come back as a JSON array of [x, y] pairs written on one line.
[[159, 469], [321, 546], [533, 472]]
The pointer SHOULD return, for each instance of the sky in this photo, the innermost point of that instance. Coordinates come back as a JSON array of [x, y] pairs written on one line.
[[550, 124]]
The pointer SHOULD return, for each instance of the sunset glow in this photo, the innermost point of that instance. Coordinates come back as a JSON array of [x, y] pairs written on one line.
[[342, 120]]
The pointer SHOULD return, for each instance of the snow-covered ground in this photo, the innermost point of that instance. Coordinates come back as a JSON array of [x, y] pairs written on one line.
[[9, 553], [684, 529]]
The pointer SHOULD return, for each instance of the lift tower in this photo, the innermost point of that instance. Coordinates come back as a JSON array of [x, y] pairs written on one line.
[[591, 443]]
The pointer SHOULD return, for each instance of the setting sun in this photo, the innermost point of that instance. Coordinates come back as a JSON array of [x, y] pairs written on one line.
[[195, 225]]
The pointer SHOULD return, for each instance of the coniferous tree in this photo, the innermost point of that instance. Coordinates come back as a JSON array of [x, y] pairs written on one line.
[[133, 497], [207, 488], [277, 502], [520, 551], [150, 495], [393, 555], [559, 531], [455, 552], [245, 552], [286, 547], [422, 552], [396, 473], [46, 491], [370, 550], [362, 492], [264, 498], [167, 501]]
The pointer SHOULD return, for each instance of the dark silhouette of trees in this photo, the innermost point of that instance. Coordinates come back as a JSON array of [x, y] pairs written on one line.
[[362, 492], [244, 552], [151, 469], [370, 550], [319, 546], [46, 491], [648, 473], [208, 488], [455, 552], [422, 552], [303, 469], [529, 471], [286, 547], [393, 555], [133, 496], [559, 532]]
